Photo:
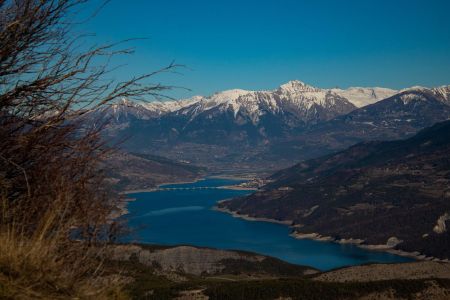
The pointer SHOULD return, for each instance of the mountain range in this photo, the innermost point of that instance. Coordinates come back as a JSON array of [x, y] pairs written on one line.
[[265, 130]]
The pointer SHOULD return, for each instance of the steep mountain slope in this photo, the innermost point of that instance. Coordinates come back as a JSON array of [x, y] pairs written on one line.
[[394, 193], [123, 111]]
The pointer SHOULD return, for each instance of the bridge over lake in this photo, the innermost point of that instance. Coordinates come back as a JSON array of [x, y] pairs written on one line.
[[189, 188]]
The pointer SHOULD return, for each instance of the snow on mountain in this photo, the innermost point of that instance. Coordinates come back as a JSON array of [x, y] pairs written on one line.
[[123, 109], [293, 121], [223, 99], [226, 96], [361, 96], [296, 94], [162, 107], [295, 87], [414, 88], [443, 93], [302, 94], [295, 97], [306, 96]]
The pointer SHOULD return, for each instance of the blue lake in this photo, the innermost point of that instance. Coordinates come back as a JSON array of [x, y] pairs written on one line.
[[185, 217]]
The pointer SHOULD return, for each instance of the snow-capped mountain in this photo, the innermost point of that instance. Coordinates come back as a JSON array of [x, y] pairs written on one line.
[[295, 101], [308, 102], [122, 111], [294, 104], [294, 91]]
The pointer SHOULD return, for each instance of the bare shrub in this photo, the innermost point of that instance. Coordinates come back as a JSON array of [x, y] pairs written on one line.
[[52, 188]]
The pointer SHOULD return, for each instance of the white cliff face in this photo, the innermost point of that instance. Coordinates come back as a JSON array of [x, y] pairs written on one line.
[[361, 96], [440, 226], [392, 242]]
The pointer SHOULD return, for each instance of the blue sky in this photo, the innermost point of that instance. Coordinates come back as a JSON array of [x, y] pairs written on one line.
[[261, 44]]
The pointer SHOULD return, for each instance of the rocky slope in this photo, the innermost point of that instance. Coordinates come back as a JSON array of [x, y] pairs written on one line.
[[393, 193]]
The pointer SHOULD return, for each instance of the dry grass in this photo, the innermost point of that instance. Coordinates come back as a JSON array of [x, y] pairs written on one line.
[[47, 264]]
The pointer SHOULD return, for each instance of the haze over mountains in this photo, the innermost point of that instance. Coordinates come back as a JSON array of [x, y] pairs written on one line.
[[266, 130]]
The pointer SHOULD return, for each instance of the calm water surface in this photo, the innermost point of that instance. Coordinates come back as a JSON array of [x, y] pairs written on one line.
[[185, 217]]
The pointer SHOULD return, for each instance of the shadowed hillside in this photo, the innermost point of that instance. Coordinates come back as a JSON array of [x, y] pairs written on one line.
[[391, 193]]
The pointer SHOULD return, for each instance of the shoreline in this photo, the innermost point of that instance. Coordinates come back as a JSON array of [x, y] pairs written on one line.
[[371, 247], [246, 217], [320, 238]]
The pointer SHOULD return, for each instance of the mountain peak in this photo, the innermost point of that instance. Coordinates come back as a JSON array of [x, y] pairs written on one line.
[[295, 82], [296, 86]]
